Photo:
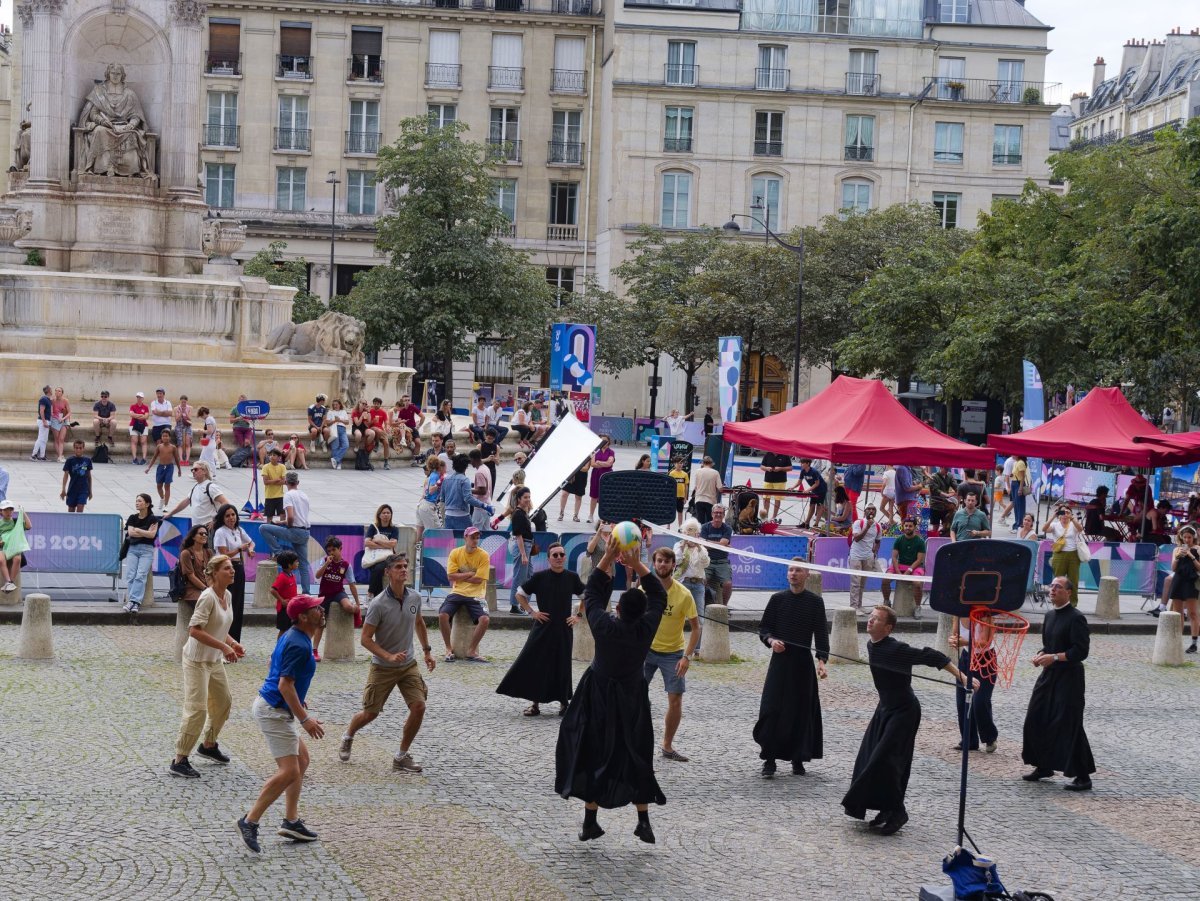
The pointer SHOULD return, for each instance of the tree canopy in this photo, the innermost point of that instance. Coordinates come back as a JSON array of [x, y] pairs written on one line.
[[269, 264]]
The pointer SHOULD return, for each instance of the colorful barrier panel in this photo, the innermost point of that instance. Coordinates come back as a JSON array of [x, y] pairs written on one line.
[[1135, 565], [74, 543]]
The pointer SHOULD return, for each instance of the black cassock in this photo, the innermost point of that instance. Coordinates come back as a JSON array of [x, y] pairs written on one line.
[[1054, 738], [542, 671], [789, 713], [885, 756], [605, 750]]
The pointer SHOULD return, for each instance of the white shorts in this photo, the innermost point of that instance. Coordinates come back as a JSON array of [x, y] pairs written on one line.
[[279, 728]]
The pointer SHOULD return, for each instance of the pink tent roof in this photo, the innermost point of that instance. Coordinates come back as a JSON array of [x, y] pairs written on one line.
[[857, 421], [1101, 428]]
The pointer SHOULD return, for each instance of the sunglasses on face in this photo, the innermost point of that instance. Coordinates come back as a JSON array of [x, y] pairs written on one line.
[[559, 554]]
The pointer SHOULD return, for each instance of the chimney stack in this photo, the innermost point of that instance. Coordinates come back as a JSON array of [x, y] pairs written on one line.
[[1098, 73]]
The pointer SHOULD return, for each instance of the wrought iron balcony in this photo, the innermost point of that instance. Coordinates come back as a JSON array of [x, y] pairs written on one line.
[[866, 83], [983, 90], [768, 148], [772, 79], [365, 67], [443, 75], [677, 145], [506, 78], [293, 139], [503, 151], [222, 64], [680, 75], [299, 67], [860, 152], [1006, 159], [221, 135], [565, 153], [567, 81], [363, 142]]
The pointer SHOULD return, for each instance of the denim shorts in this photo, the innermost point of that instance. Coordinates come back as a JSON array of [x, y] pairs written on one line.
[[665, 664]]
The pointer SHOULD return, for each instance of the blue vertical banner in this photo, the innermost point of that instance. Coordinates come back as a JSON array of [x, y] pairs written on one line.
[[1033, 414], [572, 356], [729, 372]]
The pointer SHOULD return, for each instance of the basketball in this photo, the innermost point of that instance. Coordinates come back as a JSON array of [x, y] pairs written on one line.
[[628, 535]]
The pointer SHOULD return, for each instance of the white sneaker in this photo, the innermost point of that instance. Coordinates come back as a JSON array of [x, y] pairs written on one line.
[[9, 586]]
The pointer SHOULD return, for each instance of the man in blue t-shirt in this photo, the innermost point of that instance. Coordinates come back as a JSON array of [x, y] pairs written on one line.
[[281, 713]]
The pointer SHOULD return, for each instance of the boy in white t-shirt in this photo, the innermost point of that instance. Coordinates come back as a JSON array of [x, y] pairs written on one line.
[[865, 536]]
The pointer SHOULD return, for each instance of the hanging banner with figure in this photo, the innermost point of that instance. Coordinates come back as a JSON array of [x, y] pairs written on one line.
[[572, 356], [729, 373], [1033, 414]]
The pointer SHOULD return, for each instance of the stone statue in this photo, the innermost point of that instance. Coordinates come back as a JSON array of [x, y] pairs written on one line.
[[21, 151], [333, 338], [114, 129]]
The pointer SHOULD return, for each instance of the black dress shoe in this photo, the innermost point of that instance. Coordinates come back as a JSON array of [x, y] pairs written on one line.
[[797, 768], [895, 824], [768, 769], [644, 832], [1079, 784], [880, 819], [590, 831], [1038, 774]]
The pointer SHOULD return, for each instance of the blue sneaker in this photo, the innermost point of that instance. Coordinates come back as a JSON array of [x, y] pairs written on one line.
[[297, 831], [249, 833]]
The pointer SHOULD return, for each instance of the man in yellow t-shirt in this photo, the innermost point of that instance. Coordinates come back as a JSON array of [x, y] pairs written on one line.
[[272, 476], [667, 654], [680, 475], [467, 570]]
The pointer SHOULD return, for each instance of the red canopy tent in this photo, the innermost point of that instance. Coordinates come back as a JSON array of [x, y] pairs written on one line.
[[857, 421], [1101, 428]]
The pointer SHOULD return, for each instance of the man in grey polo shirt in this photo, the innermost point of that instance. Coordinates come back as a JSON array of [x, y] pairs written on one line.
[[392, 618]]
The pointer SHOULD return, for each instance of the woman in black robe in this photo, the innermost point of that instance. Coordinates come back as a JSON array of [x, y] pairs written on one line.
[[542, 671], [1053, 737], [789, 713], [885, 756], [605, 753]]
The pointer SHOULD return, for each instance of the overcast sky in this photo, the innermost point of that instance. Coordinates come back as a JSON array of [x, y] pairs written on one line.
[[1083, 30]]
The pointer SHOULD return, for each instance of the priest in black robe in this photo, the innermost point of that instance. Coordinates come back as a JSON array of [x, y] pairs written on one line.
[[1054, 739], [789, 713], [605, 753], [885, 756], [542, 671]]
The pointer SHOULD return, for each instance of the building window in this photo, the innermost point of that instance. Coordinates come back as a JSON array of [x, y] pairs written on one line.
[[952, 70], [562, 280], [442, 114], [565, 145], [293, 131], [1010, 73], [677, 134], [768, 133], [443, 69], [366, 54], [363, 136], [504, 134], [953, 11], [947, 207], [224, 47], [290, 188], [218, 185], [772, 72], [221, 129], [567, 76], [360, 192], [676, 199], [1006, 145], [860, 138], [765, 191], [681, 63], [564, 208], [507, 71], [856, 195], [295, 50], [504, 197], [1005, 198], [948, 142], [491, 365], [862, 77]]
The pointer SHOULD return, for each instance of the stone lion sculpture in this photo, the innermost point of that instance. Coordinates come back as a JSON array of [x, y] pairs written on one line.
[[331, 338]]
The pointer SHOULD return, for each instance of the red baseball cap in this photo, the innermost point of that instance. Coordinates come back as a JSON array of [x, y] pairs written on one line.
[[300, 603]]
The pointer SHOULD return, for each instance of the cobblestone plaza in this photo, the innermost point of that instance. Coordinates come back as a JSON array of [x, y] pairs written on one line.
[[88, 810]]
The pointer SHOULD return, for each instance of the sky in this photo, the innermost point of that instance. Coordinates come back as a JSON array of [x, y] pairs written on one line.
[[1083, 30]]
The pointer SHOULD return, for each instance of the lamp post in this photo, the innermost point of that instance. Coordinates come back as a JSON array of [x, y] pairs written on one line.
[[332, 179], [732, 228]]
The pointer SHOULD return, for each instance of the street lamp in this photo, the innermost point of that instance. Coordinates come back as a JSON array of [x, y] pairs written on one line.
[[732, 228], [332, 179]]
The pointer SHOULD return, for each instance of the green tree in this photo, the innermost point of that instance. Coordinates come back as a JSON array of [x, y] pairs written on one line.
[[449, 277], [269, 263]]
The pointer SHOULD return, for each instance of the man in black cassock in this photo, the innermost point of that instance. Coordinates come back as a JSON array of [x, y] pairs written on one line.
[[1054, 738], [885, 756], [542, 671], [789, 713], [605, 753]]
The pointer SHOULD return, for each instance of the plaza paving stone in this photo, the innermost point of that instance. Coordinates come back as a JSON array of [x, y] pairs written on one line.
[[88, 810]]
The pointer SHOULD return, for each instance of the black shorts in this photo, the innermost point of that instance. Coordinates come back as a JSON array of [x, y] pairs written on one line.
[[283, 622], [678, 505], [578, 484], [273, 506], [156, 432], [327, 602]]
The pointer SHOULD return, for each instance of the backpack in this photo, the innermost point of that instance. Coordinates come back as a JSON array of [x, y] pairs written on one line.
[[240, 457], [362, 460], [100, 454], [177, 583]]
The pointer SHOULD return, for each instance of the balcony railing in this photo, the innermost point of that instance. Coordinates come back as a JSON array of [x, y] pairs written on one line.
[[503, 151], [1006, 159], [565, 153], [866, 83], [506, 78], [572, 7], [443, 75], [677, 145], [566, 81], [362, 141], [772, 79], [293, 139], [365, 67], [860, 152], [562, 232], [947, 156], [221, 135], [983, 90], [556, 7], [222, 64], [681, 75], [505, 230], [300, 67], [768, 148]]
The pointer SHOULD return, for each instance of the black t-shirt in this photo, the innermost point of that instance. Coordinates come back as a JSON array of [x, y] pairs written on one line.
[[77, 469], [104, 408], [144, 523], [773, 459], [521, 526]]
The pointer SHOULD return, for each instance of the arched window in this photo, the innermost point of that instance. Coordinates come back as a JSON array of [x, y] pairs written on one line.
[[856, 195], [676, 199]]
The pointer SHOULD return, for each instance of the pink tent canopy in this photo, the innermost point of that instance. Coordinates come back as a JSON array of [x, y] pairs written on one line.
[[857, 421]]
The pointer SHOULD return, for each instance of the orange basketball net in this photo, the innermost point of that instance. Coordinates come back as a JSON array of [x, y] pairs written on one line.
[[997, 636]]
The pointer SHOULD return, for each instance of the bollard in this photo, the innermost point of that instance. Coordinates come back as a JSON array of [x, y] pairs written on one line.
[[844, 639], [12, 598], [183, 617], [490, 591], [1108, 600], [37, 640], [902, 599], [814, 584], [461, 629], [583, 647], [339, 635], [715, 648], [407, 545], [148, 590], [1168, 640], [941, 641], [263, 579]]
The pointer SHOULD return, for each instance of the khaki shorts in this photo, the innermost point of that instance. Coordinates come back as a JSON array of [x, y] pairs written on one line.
[[279, 728], [382, 679]]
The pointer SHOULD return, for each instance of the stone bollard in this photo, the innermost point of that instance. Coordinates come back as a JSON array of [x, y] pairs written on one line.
[[1108, 600], [715, 647], [490, 592], [148, 590], [844, 639], [461, 629], [583, 647], [263, 579], [339, 635], [37, 639], [12, 598], [814, 584], [902, 599], [941, 641], [407, 545], [1168, 640], [183, 616]]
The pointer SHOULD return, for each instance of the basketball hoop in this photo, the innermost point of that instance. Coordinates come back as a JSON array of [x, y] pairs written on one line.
[[996, 659]]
